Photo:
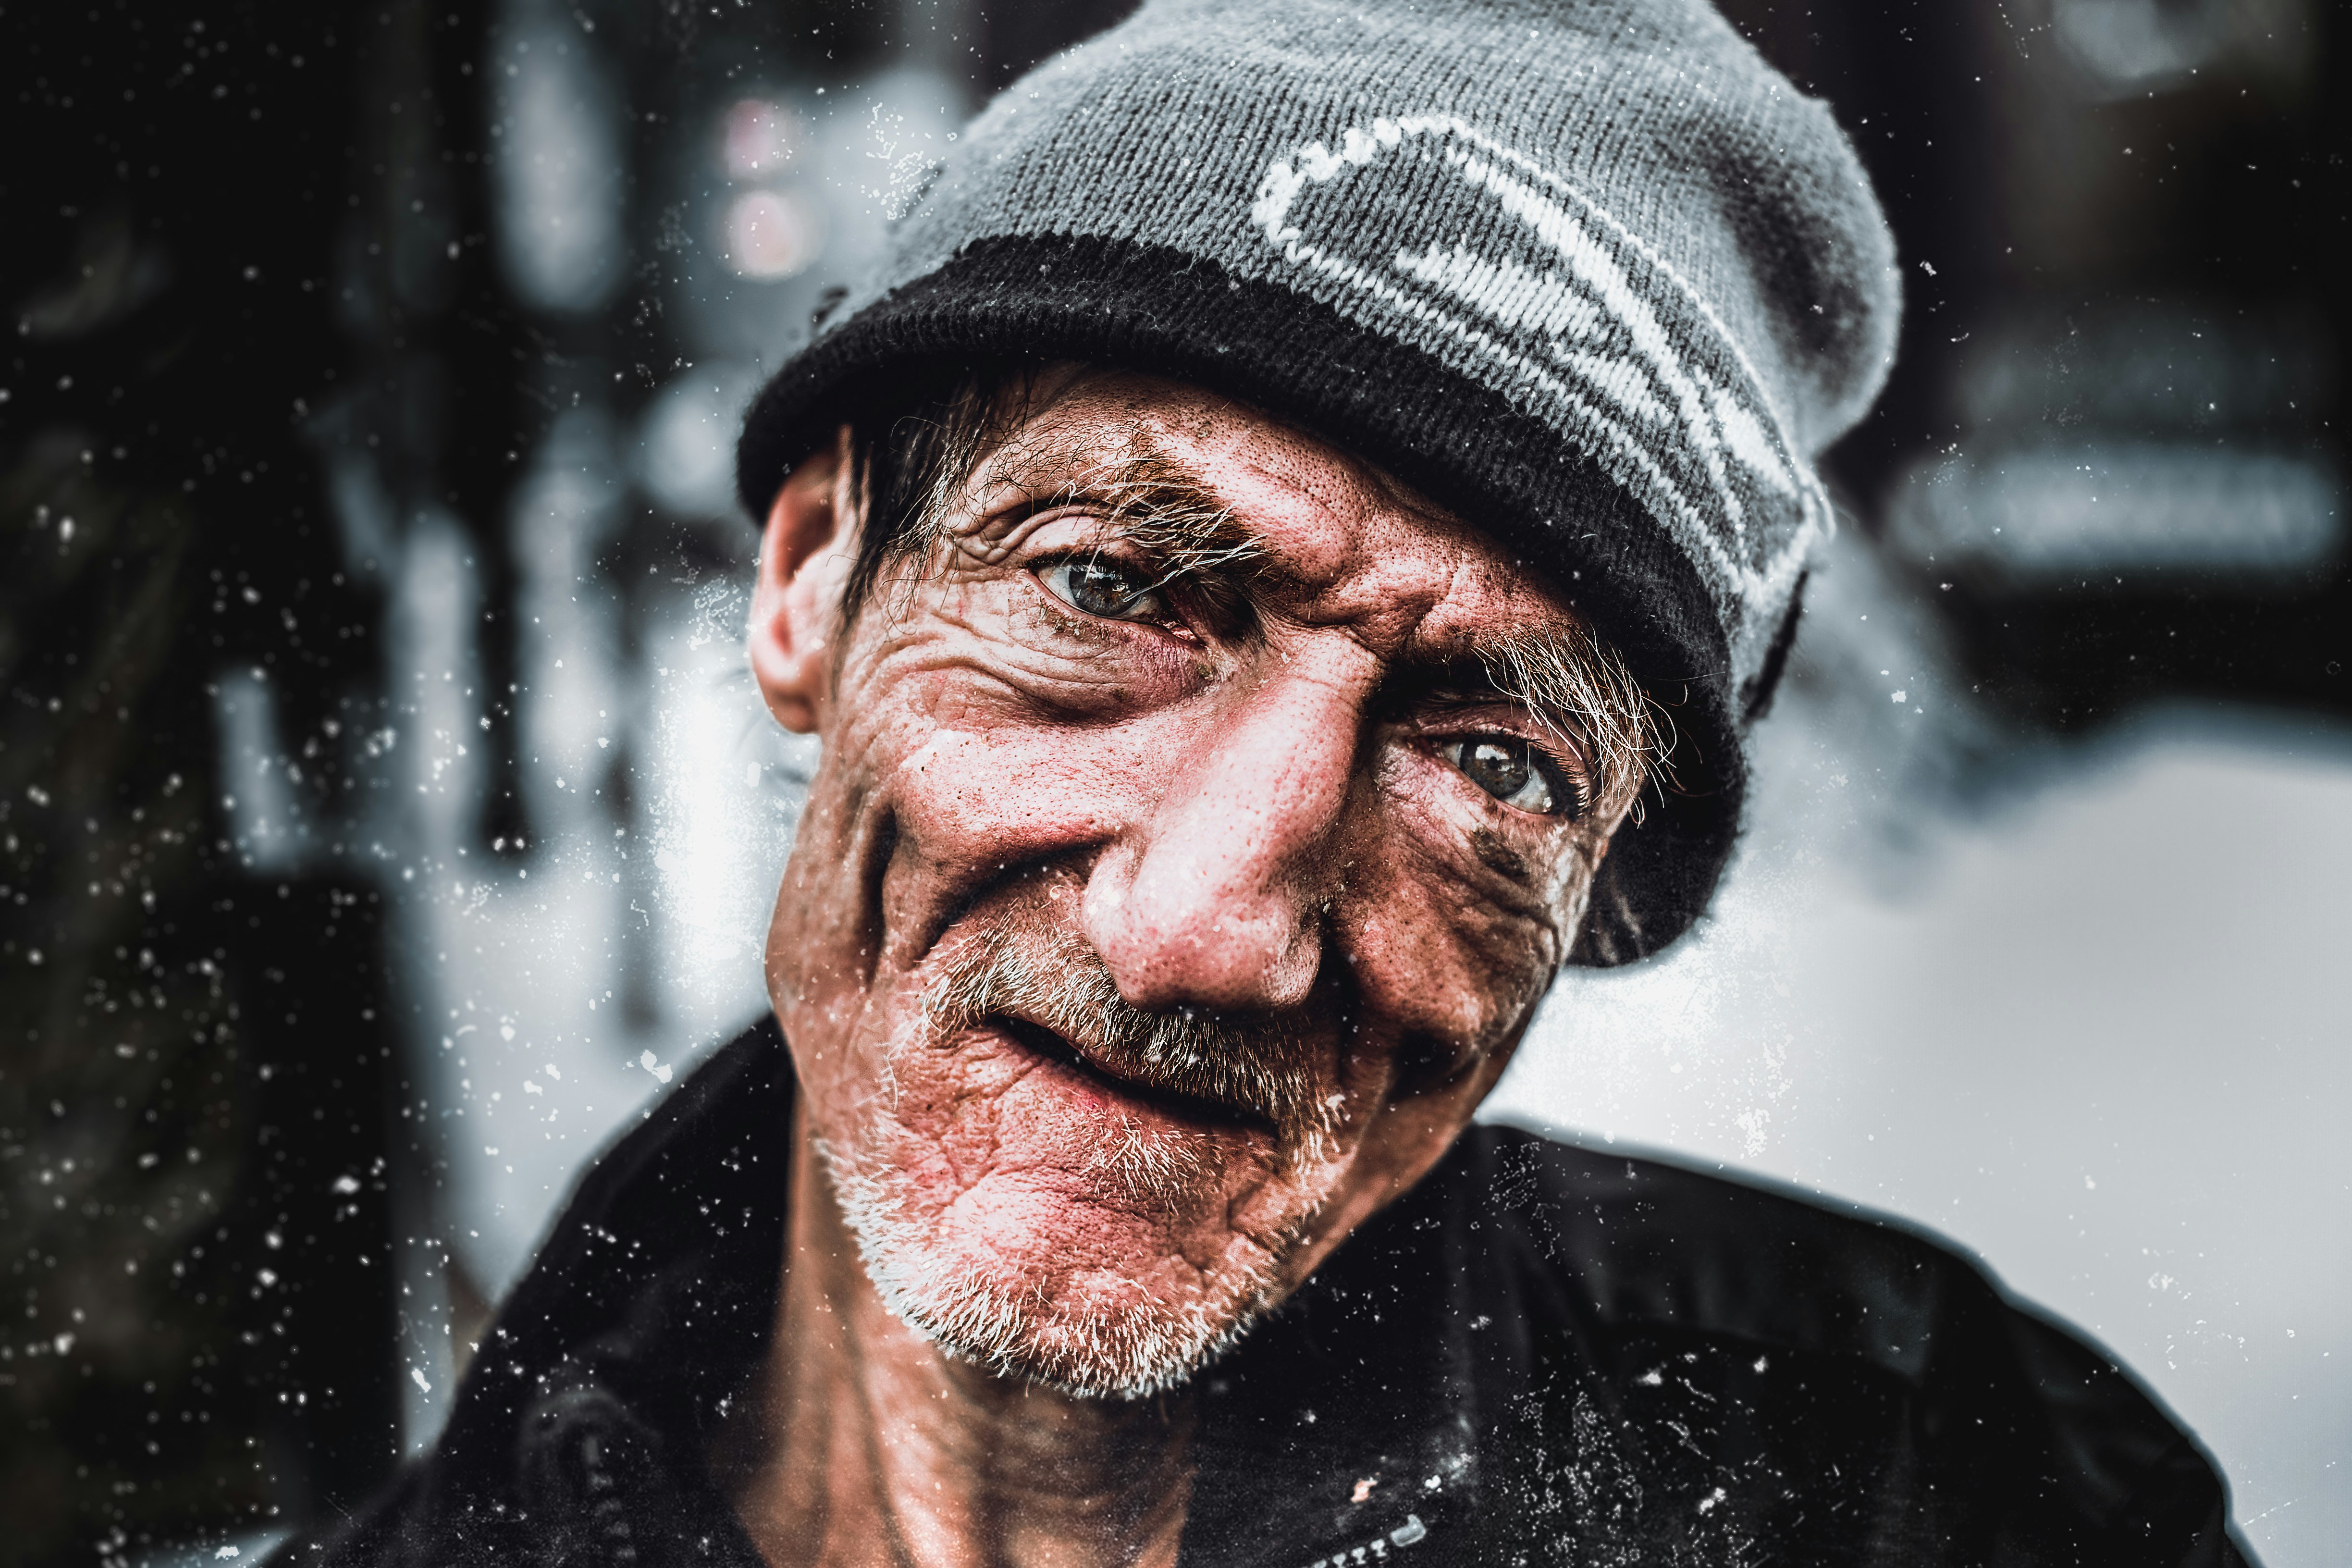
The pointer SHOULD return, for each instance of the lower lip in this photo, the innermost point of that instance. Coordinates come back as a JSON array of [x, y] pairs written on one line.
[[1085, 1081]]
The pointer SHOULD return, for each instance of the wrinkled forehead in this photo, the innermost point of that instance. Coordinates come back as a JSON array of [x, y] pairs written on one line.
[[1333, 538]]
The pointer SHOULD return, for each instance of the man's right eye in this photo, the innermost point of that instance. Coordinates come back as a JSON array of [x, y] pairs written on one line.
[[1103, 589], [1510, 770]]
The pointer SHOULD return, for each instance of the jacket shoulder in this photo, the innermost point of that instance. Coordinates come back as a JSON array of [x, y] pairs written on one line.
[[1648, 1242], [1646, 1251]]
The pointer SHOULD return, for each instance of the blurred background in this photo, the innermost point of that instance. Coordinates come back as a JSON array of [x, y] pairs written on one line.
[[385, 817]]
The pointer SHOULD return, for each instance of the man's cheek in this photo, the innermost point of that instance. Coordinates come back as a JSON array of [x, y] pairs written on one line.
[[970, 804], [989, 1150], [834, 841], [1432, 959], [899, 1110]]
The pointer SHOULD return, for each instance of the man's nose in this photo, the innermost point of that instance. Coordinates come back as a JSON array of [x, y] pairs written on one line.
[[1213, 898]]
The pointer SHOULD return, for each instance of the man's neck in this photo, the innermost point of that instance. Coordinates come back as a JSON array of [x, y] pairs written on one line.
[[860, 1445]]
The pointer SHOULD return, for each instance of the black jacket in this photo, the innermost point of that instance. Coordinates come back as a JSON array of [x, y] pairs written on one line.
[[1543, 1355]]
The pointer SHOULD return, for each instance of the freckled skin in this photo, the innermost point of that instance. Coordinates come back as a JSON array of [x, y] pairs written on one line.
[[1236, 819]]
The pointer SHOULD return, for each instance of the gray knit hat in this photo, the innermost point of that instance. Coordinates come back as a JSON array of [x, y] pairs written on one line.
[[1591, 274]]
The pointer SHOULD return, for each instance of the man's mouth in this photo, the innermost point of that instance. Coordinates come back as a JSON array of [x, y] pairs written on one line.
[[1048, 996], [1176, 1105]]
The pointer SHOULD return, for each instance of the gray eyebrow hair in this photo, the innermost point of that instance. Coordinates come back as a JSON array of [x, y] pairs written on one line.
[[1577, 685], [985, 434], [1149, 499]]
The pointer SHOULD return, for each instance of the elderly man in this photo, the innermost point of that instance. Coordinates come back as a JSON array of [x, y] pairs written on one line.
[[1282, 559]]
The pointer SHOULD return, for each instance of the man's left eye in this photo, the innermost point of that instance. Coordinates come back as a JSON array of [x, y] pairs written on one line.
[[1512, 771], [1100, 588]]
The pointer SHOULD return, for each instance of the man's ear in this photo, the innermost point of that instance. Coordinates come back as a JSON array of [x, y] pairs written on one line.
[[806, 552]]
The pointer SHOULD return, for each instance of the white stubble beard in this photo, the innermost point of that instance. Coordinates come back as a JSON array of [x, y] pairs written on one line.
[[1020, 1330]]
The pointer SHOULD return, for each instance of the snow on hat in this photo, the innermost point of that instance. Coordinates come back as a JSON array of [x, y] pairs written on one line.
[[1591, 274]]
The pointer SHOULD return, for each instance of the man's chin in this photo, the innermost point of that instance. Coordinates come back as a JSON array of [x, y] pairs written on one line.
[[1052, 1288], [1091, 1352]]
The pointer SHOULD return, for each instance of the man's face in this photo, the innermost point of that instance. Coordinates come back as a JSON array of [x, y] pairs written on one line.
[[1175, 882]]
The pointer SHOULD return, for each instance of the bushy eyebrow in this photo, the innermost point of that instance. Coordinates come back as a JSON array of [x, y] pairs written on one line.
[[1568, 681], [1145, 498], [1579, 688]]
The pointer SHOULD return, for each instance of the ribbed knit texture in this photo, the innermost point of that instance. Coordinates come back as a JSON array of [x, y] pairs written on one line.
[[1591, 274]]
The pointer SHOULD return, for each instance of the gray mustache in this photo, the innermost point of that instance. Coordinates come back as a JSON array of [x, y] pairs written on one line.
[[1261, 1065]]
